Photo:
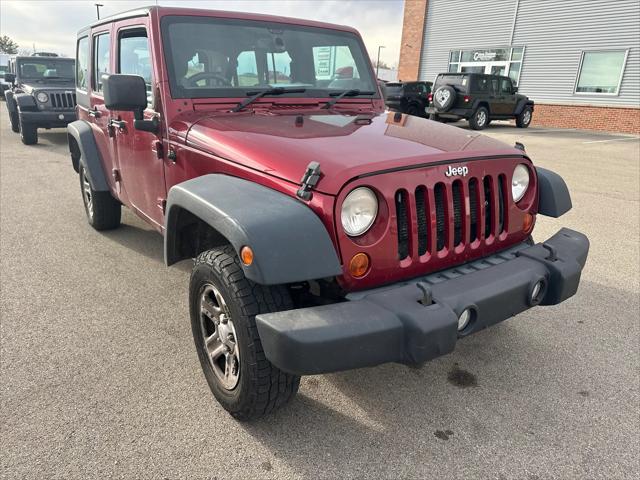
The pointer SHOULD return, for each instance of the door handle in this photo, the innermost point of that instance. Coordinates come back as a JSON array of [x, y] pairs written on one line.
[[119, 124], [95, 113]]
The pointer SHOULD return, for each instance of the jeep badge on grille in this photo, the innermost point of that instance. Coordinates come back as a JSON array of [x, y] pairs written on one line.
[[452, 171]]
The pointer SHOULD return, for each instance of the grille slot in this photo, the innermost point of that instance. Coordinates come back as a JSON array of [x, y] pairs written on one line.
[[441, 221], [403, 224], [488, 207], [458, 203], [63, 100], [474, 226], [502, 201], [421, 214]]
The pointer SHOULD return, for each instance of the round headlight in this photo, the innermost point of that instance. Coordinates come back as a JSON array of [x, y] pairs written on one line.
[[359, 211], [519, 182], [42, 97]]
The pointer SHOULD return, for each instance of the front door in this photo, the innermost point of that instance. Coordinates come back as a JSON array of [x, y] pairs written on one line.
[[508, 97], [140, 163]]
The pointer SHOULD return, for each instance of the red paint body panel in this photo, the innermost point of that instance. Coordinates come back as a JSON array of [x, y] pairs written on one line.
[[356, 143]]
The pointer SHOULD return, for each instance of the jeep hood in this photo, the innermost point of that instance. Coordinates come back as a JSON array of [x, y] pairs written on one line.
[[30, 87], [346, 146]]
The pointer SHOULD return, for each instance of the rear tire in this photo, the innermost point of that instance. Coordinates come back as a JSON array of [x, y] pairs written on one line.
[[103, 211], [524, 119], [15, 122], [223, 304], [479, 119], [28, 133], [414, 110]]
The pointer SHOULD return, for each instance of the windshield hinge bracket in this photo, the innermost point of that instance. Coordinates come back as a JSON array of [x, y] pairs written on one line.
[[309, 180]]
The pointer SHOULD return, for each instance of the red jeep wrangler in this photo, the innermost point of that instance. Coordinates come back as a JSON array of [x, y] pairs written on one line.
[[327, 233]]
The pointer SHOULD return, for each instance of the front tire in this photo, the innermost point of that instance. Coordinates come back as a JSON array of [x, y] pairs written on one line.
[[524, 119], [103, 211], [479, 119], [28, 133], [223, 305]]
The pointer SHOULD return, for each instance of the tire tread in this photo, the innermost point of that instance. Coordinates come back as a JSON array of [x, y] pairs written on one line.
[[272, 387]]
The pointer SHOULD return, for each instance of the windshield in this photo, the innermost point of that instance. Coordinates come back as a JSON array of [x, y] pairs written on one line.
[[42, 69], [212, 57]]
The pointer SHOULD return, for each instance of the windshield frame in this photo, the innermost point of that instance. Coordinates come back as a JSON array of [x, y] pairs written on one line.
[[234, 92], [21, 61]]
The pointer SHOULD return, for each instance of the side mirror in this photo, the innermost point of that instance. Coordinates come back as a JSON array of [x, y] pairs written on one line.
[[10, 77], [129, 93], [514, 89]]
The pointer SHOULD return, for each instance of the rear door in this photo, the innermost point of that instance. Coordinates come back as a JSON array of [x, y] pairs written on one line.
[[508, 97], [139, 153]]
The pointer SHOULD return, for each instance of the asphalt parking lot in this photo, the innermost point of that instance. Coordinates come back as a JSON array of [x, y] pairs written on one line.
[[99, 377]]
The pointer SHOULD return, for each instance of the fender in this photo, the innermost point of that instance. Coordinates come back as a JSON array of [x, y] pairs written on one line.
[[554, 198], [289, 242], [83, 148], [25, 102], [11, 101], [523, 102], [476, 103]]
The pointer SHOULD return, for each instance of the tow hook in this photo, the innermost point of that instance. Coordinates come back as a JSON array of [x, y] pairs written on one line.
[[427, 297]]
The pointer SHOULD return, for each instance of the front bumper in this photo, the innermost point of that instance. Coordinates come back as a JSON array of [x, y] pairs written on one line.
[[390, 324], [48, 119]]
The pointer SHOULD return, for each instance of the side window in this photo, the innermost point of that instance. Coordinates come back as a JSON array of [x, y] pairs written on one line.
[[495, 86], [82, 64], [134, 57], [101, 45], [505, 85]]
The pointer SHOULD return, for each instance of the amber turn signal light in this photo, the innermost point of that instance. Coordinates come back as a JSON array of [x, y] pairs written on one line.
[[359, 265], [527, 223], [246, 255]]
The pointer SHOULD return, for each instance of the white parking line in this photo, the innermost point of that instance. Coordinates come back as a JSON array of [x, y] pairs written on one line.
[[613, 140]]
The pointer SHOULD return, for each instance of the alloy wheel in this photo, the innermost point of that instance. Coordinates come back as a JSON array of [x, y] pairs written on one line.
[[219, 337], [481, 118], [87, 195]]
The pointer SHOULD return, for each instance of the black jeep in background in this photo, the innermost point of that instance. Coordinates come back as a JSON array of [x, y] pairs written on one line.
[[408, 97], [42, 94], [478, 98]]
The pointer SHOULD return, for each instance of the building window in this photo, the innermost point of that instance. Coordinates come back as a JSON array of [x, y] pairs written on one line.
[[505, 61], [601, 72]]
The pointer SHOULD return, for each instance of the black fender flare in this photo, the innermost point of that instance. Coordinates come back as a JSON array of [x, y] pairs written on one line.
[[554, 198], [289, 242], [9, 98], [477, 103], [83, 148], [523, 102], [25, 102]]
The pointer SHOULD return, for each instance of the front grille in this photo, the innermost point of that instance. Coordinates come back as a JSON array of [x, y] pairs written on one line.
[[451, 221], [64, 100]]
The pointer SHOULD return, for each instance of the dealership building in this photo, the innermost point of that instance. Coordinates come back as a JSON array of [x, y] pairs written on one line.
[[579, 60]]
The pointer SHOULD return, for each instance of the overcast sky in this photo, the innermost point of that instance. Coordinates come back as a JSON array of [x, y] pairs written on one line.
[[52, 25]]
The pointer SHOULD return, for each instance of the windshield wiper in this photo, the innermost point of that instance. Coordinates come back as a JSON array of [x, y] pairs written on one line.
[[271, 91], [347, 93]]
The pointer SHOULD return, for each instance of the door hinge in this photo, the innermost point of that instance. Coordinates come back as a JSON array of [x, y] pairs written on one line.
[[159, 149], [162, 204], [115, 173]]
